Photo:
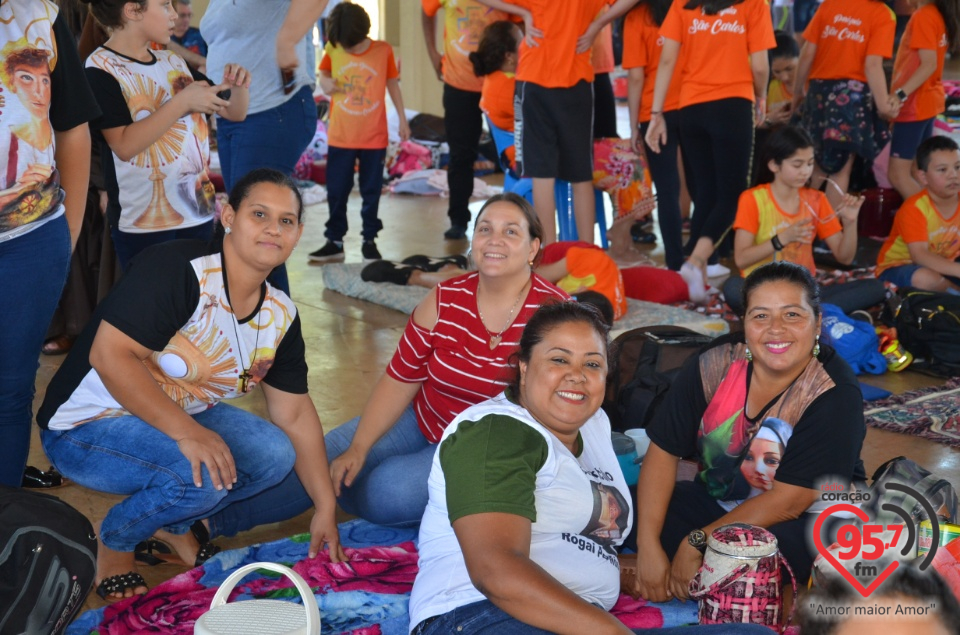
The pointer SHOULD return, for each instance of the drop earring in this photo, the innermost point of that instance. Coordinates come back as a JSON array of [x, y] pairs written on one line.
[[748, 354], [816, 347]]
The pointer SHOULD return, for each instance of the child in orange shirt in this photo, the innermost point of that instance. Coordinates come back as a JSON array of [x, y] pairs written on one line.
[[845, 104], [555, 103], [495, 60], [780, 219], [923, 248], [917, 84], [356, 72]]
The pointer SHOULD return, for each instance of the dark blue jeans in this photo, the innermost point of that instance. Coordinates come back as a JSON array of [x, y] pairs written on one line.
[[340, 170], [484, 618], [273, 138], [128, 245], [34, 268], [666, 178]]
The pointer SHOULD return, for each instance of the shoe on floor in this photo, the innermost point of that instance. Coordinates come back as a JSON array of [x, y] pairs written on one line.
[[695, 284], [331, 252], [427, 263], [456, 232], [386, 271], [59, 345], [370, 251], [717, 270], [34, 478], [640, 234]]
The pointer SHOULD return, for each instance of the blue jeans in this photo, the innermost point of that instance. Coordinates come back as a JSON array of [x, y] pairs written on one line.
[[390, 490], [484, 618], [128, 245], [274, 138], [340, 170], [34, 267], [127, 456]]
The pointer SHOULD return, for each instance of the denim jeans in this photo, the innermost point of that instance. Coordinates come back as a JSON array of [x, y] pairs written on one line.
[[34, 267], [127, 456], [666, 178], [340, 170], [390, 490], [463, 123], [484, 618], [274, 138], [128, 245]]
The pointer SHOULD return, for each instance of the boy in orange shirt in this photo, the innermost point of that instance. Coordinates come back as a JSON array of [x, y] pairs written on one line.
[[924, 245], [464, 22], [356, 72], [554, 103]]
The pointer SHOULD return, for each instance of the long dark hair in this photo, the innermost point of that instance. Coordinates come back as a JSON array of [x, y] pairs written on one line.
[[711, 7], [658, 9], [783, 143], [109, 13], [950, 10], [498, 40]]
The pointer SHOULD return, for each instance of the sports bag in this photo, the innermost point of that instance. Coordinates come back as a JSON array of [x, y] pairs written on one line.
[[48, 560], [903, 471], [648, 359], [855, 341], [928, 325]]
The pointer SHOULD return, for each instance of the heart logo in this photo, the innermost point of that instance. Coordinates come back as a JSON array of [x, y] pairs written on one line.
[[842, 570]]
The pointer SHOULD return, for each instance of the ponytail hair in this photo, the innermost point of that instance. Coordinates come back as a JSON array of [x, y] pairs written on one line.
[[950, 10], [498, 39], [712, 7], [658, 9]]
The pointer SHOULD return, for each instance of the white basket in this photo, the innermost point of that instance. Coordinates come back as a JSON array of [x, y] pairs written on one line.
[[264, 617]]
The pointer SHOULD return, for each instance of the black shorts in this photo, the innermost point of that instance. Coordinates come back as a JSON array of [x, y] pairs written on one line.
[[554, 131]]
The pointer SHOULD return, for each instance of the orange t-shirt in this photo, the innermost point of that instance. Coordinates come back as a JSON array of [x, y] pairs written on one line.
[[601, 55], [759, 213], [642, 46], [925, 30], [594, 270], [358, 115], [919, 221], [714, 62], [845, 32], [496, 100], [463, 25], [554, 63]]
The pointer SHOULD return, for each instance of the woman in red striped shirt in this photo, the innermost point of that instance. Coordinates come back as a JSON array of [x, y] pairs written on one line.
[[454, 353]]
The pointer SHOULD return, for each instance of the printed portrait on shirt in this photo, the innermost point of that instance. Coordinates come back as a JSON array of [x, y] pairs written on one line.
[[608, 522]]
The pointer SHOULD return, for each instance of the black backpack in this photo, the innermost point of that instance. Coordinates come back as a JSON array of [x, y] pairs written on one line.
[[928, 325], [648, 359], [48, 560]]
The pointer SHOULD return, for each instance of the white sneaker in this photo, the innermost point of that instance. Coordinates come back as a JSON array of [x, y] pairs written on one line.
[[695, 284], [717, 270]]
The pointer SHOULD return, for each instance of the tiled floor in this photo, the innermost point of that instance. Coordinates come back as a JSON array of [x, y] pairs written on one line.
[[349, 343]]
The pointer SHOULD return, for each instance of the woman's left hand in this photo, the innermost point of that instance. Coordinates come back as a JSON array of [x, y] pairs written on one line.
[[686, 563], [323, 530], [236, 76], [585, 41]]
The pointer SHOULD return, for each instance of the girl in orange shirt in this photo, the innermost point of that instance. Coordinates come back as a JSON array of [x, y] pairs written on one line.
[[495, 60], [845, 103], [917, 84]]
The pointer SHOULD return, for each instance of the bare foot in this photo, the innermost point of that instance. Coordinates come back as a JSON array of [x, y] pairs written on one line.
[[113, 563]]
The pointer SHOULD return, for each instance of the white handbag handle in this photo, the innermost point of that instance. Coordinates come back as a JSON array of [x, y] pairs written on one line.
[[306, 593]]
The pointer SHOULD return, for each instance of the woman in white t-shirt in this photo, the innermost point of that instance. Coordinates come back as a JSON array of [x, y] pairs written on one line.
[[527, 501], [136, 409]]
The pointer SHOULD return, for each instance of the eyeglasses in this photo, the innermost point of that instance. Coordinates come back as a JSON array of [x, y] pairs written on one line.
[[822, 220]]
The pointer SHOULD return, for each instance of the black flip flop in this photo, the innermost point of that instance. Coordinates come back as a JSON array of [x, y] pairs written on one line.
[[153, 552], [118, 584]]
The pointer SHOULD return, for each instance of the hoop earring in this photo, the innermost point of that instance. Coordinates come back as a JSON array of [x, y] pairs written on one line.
[[816, 347], [748, 354]]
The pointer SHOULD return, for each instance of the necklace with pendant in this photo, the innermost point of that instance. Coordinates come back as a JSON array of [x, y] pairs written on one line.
[[245, 376], [496, 338]]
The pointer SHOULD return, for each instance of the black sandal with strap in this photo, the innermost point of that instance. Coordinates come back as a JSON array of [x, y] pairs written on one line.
[[118, 584], [207, 551]]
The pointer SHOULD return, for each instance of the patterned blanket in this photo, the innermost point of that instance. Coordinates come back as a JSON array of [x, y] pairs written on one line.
[[366, 596], [931, 413]]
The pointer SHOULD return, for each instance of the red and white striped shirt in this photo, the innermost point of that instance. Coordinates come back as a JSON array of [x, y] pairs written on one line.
[[454, 361]]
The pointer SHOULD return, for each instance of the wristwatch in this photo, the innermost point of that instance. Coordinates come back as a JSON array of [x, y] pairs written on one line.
[[698, 540], [901, 95]]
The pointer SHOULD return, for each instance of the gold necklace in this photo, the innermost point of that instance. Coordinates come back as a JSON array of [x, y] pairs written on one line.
[[496, 338]]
